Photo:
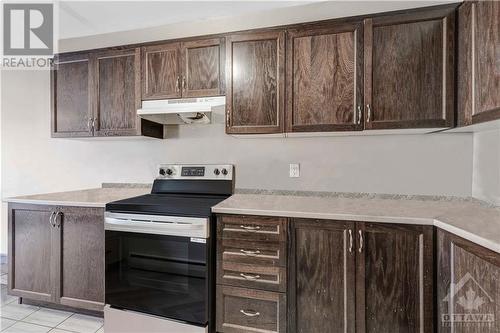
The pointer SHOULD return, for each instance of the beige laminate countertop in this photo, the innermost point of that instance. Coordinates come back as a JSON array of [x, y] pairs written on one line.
[[468, 219], [96, 197]]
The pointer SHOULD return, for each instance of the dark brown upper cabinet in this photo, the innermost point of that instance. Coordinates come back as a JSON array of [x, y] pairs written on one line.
[[71, 115], [202, 68], [117, 91], [478, 62], [409, 70], [255, 72], [468, 286], [189, 69], [161, 72], [322, 276], [325, 78], [394, 279]]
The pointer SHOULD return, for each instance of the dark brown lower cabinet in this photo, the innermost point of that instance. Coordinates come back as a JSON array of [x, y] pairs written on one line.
[[56, 255], [468, 286], [322, 281], [394, 278], [360, 277]]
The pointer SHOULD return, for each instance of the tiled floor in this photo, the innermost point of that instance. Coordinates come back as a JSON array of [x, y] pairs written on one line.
[[21, 318]]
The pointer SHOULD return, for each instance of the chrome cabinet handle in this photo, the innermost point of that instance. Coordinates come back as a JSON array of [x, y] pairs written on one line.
[[250, 253], [183, 83], [369, 115], [89, 124], [360, 241], [250, 313], [93, 124], [57, 223], [177, 84], [249, 227], [359, 114], [51, 219], [350, 241], [250, 277]]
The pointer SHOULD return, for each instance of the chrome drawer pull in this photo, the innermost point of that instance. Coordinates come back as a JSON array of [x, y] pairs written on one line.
[[250, 313], [250, 277], [249, 227], [250, 253]]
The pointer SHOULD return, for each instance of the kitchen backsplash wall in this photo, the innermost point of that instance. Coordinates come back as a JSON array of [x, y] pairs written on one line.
[[33, 162], [486, 166]]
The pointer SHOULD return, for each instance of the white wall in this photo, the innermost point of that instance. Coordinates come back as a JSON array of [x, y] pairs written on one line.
[[32, 162], [486, 166]]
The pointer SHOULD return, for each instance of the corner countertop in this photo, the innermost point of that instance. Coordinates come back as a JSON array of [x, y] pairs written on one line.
[[96, 197], [468, 219]]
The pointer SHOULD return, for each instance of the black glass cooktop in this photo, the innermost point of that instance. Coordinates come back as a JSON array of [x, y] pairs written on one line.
[[168, 204]]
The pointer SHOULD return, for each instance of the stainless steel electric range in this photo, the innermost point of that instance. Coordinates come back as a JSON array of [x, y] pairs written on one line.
[[160, 252]]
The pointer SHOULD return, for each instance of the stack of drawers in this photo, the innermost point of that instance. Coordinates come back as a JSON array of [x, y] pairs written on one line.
[[251, 274]]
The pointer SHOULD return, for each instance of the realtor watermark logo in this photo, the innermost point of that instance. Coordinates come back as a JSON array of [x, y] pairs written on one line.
[[468, 305], [28, 35]]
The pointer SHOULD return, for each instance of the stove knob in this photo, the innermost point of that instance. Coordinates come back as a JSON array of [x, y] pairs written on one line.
[[162, 172], [169, 172], [217, 172], [224, 172]]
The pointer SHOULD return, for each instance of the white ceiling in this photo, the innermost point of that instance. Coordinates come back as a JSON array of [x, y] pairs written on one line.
[[86, 18]]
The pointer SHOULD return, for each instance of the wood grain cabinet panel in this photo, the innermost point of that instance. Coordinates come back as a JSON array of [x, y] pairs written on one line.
[[71, 111], [478, 62], [117, 84], [252, 228], [161, 71], [322, 276], [409, 69], [82, 258], [31, 252], [203, 68], [255, 83], [468, 286], [245, 310], [325, 78], [394, 288]]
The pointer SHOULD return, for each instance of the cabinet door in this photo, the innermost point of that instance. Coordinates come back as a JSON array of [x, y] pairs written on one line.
[[31, 252], [116, 82], [325, 78], [479, 62], [321, 281], [468, 286], [71, 111], [161, 75], [394, 288], [81, 257], [255, 83], [409, 70], [202, 66]]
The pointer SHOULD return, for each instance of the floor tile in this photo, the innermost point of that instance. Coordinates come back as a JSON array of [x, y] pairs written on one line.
[[21, 327], [4, 323], [81, 323], [3, 279], [47, 317], [101, 330], [17, 311], [6, 299], [56, 330]]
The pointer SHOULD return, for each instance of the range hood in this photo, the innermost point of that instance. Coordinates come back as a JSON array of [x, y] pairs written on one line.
[[181, 111]]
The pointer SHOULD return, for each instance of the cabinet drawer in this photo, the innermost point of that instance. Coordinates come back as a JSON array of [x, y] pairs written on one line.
[[249, 252], [251, 276], [257, 228], [245, 310]]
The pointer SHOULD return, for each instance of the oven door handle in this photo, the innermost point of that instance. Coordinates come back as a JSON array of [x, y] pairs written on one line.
[[158, 228]]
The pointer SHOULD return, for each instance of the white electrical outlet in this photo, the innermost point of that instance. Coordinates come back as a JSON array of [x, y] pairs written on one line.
[[294, 170]]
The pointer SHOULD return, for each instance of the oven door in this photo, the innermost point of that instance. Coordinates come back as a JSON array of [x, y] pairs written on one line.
[[150, 271]]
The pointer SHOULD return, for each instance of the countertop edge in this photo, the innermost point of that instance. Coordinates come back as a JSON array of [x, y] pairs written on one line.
[[56, 203], [368, 218]]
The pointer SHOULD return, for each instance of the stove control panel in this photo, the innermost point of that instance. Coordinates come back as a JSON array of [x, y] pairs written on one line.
[[196, 171]]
